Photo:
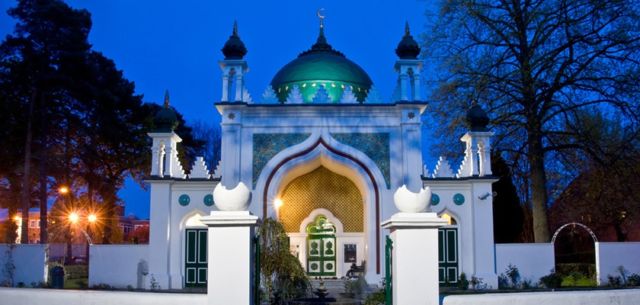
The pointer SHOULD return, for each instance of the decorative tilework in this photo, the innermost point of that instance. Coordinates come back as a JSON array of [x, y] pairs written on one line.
[[374, 145], [208, 200], [184, 200], [322, 188], [458, 199], [267, 145], [435, 199]]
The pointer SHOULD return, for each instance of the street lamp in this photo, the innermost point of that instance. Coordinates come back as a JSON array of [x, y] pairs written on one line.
[[63, 190], [74, 217]]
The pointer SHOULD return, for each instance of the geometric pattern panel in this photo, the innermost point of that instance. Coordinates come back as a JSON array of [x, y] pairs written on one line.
[[267, 145], [374, 145], [322, 188]]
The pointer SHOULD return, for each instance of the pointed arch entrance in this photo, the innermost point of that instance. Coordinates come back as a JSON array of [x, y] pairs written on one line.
[[320, 149]]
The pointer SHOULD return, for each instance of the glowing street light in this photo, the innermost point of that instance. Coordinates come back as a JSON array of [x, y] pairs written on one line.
[[92, 218], [63, 190], [74, 217]]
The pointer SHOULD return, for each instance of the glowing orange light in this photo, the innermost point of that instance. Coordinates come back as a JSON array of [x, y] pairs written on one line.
[[17, 218], [63, 190], [278, 203], [92, 218], [74, 217]]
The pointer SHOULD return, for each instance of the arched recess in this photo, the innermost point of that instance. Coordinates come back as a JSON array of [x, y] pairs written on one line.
[[449, 258], [321, 189], [320, 149], [575, 251], [192, 220]]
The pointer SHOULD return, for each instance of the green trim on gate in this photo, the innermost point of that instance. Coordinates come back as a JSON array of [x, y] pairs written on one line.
[[321, 247], [448, 256], [195, 265], [388, 288]]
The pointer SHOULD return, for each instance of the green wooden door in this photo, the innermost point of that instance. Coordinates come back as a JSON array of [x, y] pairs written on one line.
[[196, 258], [448, 256], [321, 248]]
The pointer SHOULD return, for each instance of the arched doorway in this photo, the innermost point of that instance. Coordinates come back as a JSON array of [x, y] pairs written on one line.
[[195, 252], [448, 256], [324, 195], [574, 253]]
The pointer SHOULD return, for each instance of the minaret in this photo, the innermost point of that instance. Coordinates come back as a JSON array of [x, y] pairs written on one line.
[[408, 67], [477, 159], [164, 159], [233, 68]]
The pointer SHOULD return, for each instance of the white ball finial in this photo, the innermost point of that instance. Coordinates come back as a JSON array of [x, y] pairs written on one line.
[[409, 202], [236, 199]]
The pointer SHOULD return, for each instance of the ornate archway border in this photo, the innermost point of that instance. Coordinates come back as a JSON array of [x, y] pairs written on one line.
[[370, 175], [555, 234]]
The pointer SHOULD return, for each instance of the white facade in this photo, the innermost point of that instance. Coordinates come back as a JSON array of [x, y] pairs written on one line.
[[268, 144]]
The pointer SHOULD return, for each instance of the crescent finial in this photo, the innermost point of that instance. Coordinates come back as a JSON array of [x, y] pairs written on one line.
[[321, 17]]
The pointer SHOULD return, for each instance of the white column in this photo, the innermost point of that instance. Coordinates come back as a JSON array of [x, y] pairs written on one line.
[[229, 257], [239, 86], [225, 88], [415, 258], [404, 86], [157, 150], [416, 87], [160, 215], [168, 160]]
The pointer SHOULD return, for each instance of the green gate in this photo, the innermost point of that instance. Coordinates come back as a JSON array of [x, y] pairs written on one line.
[[195, 258], [321, 247], [448, 256], [388, 255]]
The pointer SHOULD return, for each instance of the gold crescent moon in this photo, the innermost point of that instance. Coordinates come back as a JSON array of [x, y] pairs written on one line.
[[320, 15]]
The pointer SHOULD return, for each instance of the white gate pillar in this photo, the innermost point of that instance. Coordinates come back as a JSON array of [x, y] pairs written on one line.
[[229, 253], [414, 257], [229, 257]]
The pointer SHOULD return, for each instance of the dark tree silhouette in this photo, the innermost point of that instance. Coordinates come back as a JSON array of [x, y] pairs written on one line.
[[68, 116], [533, 64]]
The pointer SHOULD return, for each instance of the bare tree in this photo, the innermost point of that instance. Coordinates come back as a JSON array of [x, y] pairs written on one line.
[[532, 64]]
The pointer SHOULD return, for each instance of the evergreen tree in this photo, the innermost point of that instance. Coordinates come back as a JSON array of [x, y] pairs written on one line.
[[68, 116]]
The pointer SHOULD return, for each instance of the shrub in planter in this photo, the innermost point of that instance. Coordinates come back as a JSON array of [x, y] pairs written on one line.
[[633, 280], [463, 283], [552, 280]]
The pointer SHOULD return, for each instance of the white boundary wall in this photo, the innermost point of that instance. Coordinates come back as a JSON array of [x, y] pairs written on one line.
[[119, 266], [611, 255], [532, 260], [28, 296], [600, 297], [29, 262]]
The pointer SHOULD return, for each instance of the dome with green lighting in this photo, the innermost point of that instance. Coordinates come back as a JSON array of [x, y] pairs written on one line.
[[321, 66]]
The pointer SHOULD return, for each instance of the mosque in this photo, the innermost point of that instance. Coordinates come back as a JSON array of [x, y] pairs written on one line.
[[324, 154]]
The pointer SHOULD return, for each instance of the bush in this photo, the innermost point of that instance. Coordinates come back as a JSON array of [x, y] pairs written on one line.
[[463, 283], [510, 279], [588, 270], [614, 281], [376, 298], [281, 273], [633, 280], [552, 280]]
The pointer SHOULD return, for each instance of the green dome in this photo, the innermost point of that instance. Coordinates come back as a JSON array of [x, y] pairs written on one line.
[[321, 66]]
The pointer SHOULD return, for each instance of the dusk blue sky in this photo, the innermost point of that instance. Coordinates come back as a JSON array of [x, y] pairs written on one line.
[[175, 45]]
